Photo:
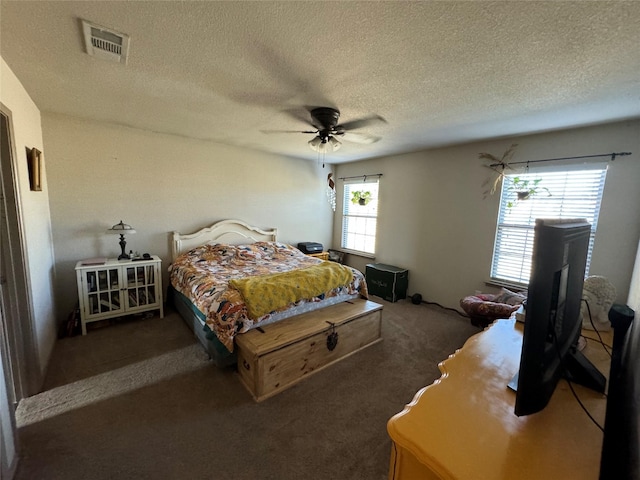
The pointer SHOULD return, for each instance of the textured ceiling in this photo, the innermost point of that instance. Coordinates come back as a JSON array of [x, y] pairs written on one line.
[[438, 72]]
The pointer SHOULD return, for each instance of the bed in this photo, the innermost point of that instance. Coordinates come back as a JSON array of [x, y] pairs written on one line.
[[206, 275]]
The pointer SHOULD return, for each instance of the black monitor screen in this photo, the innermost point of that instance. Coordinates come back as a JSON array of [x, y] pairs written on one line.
[[552, 321]]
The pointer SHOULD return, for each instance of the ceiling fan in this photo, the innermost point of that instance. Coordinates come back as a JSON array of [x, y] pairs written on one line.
[[325, 122]]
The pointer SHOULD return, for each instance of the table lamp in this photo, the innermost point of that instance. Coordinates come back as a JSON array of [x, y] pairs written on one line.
[[121, 229]]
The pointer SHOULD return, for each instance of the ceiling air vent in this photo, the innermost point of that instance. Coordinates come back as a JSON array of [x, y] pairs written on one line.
[[104, 43]]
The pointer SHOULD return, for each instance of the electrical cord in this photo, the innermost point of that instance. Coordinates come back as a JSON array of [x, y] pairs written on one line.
[[444, 308], [595, 422], [604, 345], [584, 408]]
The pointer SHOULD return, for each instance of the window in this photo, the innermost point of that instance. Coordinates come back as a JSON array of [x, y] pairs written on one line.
[[572, 193], [360, 217]]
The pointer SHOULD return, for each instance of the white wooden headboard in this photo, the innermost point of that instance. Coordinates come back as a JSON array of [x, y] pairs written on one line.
[[234, 232]]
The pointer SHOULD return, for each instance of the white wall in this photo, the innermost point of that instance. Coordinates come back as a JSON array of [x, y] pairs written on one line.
[[36, 233], [434, 221], [633, 299], [36, 218], [100, 174]]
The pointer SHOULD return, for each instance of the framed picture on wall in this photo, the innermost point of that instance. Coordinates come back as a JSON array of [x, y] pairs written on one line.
[[34, 159]]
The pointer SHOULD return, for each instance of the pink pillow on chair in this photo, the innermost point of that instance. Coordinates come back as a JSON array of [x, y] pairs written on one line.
[[476, 305]]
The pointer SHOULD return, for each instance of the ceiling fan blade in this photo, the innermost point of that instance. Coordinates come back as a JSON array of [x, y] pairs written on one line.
[[356, 137], [362, 122], [301, 115], [289, 131]]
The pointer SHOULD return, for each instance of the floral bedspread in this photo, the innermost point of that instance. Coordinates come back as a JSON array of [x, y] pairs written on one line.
[[203, 273]]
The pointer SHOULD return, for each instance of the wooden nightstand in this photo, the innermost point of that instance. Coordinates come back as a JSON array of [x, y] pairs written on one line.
[[118, 287], [321, 256]]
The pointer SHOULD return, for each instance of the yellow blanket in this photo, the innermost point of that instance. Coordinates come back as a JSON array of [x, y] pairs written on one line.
[[267, 293]]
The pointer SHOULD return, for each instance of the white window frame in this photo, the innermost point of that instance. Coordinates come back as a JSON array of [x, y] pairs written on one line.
[[360, 222], [576, 192]]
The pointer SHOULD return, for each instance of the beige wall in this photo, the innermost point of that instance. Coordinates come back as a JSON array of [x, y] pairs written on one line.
[[100, 174], [434, 221]]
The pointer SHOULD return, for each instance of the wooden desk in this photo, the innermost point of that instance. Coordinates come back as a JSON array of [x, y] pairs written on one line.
[[463, 426]]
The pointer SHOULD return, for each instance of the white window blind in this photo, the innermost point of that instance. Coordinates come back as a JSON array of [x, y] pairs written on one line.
[[572, 193], [360, 222]]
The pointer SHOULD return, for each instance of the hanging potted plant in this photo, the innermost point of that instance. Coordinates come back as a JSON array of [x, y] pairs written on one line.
[[525, 189], [361, 197]]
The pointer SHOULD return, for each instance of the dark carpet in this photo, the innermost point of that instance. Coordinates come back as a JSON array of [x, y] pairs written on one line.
[[138, 399]]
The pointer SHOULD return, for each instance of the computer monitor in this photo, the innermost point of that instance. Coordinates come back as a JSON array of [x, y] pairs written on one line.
[[552, 320]]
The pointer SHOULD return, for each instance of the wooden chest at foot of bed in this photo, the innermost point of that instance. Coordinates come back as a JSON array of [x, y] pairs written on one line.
[[290, 350]]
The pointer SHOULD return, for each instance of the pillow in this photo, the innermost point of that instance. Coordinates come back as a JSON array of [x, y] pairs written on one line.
[[247, 252], [215, 252], [509, 297], [486, 297], [475, 306], [264, 250]]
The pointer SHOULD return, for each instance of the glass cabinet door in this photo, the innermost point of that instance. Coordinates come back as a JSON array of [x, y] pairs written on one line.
[[140, 286], [103, 290], [115, 289]]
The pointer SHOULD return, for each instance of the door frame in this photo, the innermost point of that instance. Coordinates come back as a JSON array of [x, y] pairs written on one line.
[[22, 370]]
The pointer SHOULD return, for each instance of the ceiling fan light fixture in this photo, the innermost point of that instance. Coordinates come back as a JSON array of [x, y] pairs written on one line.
[[330, 144], [316, 144]]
